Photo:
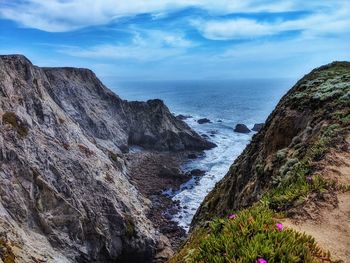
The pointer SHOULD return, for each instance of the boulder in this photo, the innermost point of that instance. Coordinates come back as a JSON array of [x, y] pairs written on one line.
[[197, 172], [241, 128], [257, 126], [203, 120]]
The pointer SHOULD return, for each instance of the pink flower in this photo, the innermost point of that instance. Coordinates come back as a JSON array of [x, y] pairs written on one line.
[[232, 216], [261, 260], [279, 227], [309, 179]]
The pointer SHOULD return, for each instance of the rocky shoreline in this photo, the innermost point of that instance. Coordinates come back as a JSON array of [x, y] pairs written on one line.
[[153, 173]]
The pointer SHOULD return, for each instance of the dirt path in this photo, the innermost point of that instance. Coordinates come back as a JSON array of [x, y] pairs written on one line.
[[329, 221], [331, 229]]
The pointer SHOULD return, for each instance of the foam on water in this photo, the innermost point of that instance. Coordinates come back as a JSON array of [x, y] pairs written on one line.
[[215, 163]]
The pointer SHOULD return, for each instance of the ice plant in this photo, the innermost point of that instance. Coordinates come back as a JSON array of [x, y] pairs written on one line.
[[261, 260], [232, 216], [279, 227]]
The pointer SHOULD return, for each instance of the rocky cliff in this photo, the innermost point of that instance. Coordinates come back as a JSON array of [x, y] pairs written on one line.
[[296, 170], [65, 193]]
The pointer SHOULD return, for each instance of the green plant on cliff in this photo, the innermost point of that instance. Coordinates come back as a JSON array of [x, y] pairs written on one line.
[[299, 182], [250, 235]]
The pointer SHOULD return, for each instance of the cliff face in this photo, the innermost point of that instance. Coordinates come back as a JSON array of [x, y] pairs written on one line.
[[293, 176], [106, 118], [65, 195]]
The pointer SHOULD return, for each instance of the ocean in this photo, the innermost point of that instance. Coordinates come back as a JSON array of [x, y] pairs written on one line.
[[225, 103]]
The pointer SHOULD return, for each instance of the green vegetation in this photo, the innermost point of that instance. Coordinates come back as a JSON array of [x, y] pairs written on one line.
[[252, 234], [13, 120], [295, 180]]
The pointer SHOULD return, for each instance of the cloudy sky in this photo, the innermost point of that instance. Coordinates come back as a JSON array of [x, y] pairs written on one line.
[[178, 39]]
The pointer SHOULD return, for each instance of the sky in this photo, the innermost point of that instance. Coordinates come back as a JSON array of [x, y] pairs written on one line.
[[178, 39]]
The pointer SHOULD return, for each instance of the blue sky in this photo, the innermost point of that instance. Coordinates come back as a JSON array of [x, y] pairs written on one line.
[[178, 39]]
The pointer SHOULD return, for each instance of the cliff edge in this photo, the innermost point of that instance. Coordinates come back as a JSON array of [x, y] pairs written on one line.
[[294, 175]]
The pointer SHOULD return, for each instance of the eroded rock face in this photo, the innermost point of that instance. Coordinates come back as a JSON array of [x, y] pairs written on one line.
[[65, 193]]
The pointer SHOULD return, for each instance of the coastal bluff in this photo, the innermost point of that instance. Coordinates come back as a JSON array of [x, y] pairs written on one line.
[[66, 193]]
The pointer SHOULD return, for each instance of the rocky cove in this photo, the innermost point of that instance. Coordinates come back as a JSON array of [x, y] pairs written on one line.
[[84, 172], [72, 187]]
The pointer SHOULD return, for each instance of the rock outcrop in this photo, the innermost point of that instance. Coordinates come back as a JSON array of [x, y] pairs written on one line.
[[257, 127], [65, 193], [241, 128], [204, 120]]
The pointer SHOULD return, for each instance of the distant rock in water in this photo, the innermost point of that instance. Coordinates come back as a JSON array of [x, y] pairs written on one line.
[[204, 120], [183, 117], [241, 128], [64, 175], [257, 126]]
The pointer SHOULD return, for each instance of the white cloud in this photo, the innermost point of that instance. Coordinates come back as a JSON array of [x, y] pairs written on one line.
[[68, 15], [232, 29], [150, 45], [335, 21]]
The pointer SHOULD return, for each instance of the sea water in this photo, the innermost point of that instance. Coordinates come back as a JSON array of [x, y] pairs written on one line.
[[225, 103]]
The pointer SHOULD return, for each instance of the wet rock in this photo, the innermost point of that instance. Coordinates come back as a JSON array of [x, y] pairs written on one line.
[[203, 121], [241, 128], [183, 117], [192, 156], [257, 127], [197, 172]]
